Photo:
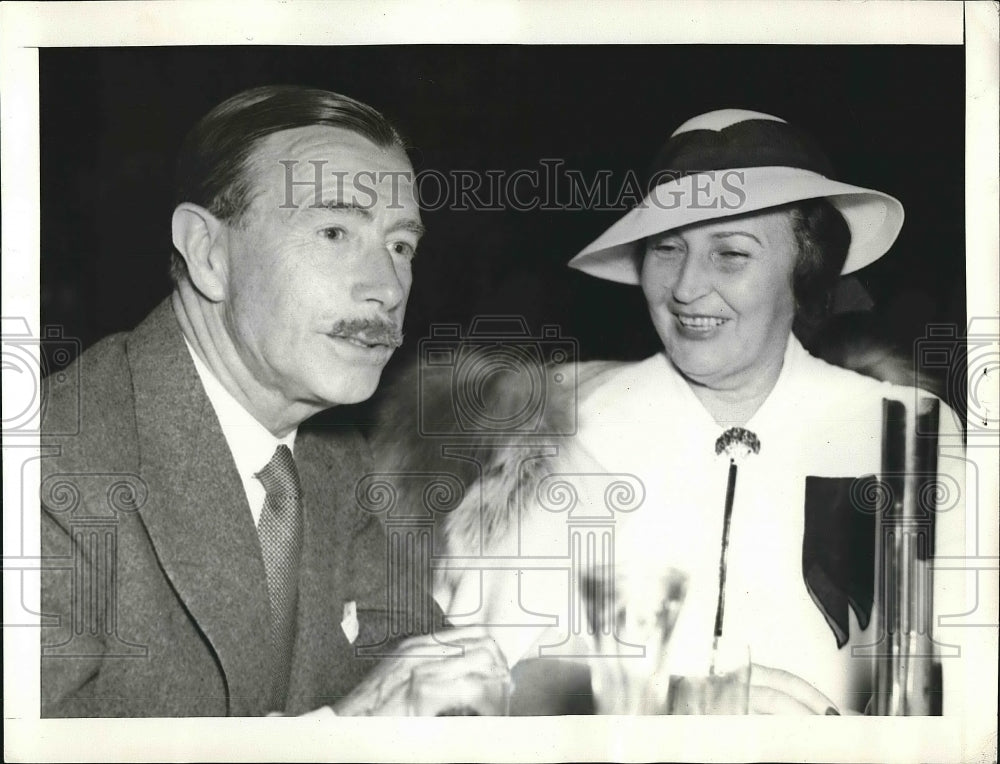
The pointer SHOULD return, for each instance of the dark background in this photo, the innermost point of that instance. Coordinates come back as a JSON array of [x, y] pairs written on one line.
[[890, 117]]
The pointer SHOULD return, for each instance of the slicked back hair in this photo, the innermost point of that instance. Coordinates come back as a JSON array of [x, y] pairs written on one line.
[[215, 164]]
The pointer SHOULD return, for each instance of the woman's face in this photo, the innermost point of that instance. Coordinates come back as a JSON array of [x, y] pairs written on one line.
[[720, 296]]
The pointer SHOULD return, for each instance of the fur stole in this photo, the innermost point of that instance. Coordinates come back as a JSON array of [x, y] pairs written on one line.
[[440, 424]]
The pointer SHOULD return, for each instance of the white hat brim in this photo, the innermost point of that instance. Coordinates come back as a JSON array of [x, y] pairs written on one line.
[[874, 218]]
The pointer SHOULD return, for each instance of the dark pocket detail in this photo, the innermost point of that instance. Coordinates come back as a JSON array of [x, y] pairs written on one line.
[[838, 549]]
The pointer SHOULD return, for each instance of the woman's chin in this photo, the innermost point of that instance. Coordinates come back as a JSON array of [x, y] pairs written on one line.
[[699, 363], [702, 373]]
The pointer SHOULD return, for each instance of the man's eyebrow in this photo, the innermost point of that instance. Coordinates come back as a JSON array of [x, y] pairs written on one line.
[[352, 207], [723, 234], [410, 225]]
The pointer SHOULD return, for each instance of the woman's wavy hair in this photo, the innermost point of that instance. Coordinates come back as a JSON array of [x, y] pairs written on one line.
[[823, 237]]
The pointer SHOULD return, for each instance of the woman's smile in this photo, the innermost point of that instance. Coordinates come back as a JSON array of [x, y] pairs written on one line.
[[696, 326]]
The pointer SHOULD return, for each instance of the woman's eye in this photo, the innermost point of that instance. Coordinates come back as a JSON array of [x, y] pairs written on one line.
[[732, 257], [665, 248]]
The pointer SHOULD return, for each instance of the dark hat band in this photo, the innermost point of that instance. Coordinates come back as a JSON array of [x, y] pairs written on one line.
[[749, 143]]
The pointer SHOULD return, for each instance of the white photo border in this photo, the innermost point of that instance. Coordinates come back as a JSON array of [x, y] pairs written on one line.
[[26, 27]]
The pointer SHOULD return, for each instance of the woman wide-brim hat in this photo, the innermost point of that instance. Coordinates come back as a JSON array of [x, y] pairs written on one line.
[[731, 162]]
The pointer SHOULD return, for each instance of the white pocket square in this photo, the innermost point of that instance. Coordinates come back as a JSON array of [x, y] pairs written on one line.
[[350, 621]]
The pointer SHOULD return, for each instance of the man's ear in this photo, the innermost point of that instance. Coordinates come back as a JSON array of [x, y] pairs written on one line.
[[201, 240]]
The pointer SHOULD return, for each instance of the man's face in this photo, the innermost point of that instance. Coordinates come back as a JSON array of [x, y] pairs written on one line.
[[319, 274]]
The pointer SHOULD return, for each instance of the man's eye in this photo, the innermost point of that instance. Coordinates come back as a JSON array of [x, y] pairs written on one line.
[[333, 233], [403, 248], [732, 254]]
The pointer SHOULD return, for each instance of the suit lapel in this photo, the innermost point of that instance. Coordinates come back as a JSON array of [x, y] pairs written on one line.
[[197, 516], [344, 560], [328, 469]]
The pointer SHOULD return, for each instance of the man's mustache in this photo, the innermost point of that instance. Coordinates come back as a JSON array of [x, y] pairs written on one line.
[[374, 331]]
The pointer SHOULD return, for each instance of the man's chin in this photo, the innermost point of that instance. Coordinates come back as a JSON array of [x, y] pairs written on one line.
[[353, 386]]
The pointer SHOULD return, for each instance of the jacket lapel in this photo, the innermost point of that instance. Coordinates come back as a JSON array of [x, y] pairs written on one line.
[[324, 666], [197, 516]]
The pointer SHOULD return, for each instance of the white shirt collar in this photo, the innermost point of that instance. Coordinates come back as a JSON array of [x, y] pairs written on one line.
[[251, 444]]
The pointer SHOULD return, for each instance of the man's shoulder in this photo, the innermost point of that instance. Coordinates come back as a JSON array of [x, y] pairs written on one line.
[[89, 408], [88, 430], [95, 387]]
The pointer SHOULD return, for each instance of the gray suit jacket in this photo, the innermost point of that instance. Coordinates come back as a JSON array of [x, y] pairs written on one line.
[[154, 594]]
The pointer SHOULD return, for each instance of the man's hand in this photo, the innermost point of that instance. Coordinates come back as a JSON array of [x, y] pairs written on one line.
[[424, 661]]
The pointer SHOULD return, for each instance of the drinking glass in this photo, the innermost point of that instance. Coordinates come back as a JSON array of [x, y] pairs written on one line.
[[723, 689], [631, 612]]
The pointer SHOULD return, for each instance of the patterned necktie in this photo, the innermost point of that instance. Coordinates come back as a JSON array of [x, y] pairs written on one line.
[[280, 532]]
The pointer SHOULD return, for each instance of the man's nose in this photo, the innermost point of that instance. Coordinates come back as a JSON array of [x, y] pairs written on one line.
[[379, 281], [692, 279]]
